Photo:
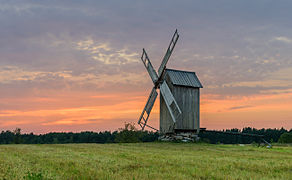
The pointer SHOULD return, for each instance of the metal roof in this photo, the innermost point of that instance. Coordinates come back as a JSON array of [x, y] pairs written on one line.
[[184, 78]]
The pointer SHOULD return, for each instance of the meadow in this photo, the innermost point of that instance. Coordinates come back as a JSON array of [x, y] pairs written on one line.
[[144, 161]]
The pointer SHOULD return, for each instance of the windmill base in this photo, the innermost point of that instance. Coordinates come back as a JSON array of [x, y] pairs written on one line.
[[183, 136]]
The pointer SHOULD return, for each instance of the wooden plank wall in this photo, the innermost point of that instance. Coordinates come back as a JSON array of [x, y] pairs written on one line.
[[188, 100]]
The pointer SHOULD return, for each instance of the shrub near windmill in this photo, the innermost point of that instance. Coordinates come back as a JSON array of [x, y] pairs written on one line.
[[179, 99]]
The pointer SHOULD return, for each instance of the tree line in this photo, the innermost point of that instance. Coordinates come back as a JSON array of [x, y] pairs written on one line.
[[127, 134], [232, 136], [130, 134]]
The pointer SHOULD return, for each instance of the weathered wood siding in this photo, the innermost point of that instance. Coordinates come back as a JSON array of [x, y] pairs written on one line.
[[188, 100]]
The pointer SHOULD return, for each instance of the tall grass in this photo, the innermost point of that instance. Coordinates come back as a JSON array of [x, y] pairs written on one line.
[[144, 161]]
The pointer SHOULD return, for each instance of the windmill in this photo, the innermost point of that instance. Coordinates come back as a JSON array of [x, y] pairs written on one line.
[[179, 96]]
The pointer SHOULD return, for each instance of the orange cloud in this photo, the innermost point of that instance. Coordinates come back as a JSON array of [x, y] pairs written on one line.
[[274, 110], [93, 110], [84, 111]]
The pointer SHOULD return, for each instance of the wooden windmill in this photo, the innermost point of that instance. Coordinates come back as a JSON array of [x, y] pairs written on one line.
[[179, 96]]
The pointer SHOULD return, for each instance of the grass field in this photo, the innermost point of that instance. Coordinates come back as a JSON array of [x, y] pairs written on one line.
[[144, 161]]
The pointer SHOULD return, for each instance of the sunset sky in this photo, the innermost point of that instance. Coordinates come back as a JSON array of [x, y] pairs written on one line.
[[75, 65]]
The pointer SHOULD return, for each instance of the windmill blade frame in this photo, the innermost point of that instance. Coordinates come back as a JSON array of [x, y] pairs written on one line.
[[147, 109], [146, 61], [168, 53], [170, 102], [159, 82]]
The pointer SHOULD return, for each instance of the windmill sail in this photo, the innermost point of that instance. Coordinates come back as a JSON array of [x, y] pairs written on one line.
[[147, 109], [170, 102], [149, 66], [159, 82], [168, 53]]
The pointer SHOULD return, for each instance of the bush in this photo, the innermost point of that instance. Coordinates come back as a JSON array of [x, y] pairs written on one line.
[[128, 134], [285, 138]]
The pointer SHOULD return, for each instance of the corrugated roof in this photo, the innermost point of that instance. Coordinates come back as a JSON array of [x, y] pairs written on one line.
[[184, 78]]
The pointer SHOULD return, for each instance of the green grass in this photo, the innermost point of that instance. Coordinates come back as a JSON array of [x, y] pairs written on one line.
[[144, 161]]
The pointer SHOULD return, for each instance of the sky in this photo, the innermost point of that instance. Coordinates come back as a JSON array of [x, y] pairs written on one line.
[[75, 65]]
